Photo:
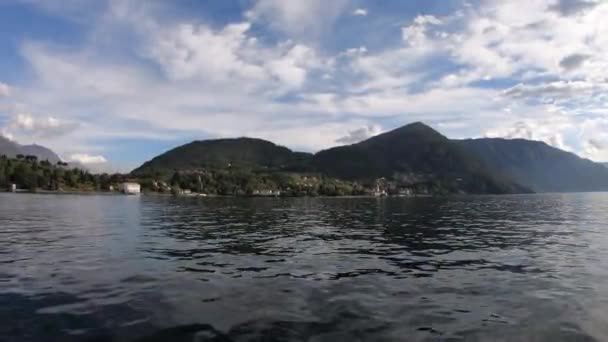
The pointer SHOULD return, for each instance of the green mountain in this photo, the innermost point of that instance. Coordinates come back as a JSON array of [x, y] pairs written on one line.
[[539, 166], [224, 153], [12, 149], [414, 154]]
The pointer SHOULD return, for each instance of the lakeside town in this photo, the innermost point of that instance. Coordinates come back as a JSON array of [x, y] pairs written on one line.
[[25, 174]]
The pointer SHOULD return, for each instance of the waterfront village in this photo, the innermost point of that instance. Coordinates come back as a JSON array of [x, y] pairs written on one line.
[[27, 174]]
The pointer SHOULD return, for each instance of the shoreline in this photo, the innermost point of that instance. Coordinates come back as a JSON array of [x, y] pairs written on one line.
[[157, 194]]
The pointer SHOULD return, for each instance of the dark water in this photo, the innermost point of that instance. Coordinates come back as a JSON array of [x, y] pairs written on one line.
[[479, 268]]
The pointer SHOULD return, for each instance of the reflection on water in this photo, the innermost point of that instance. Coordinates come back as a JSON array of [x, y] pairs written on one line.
[[105, 268]]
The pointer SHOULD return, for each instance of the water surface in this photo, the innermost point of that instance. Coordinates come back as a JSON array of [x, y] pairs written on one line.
[[509, 268]]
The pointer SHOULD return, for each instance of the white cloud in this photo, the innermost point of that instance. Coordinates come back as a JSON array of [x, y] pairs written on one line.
[[360, 134], [196, 51], [87, 159], [40, 127], [416, 33], [360, 12], [550, 131], [6, 134], [182, 77], [299, 19], [594, 134], [5, 90]]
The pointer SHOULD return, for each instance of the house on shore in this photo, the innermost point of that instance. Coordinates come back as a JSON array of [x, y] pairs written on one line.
[[267, 193], [130, 188]]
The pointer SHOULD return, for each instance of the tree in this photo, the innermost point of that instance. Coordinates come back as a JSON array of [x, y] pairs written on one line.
[[176, 179]]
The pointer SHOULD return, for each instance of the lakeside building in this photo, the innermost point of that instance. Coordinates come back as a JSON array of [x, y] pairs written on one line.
[[130, 188], [266, 193]]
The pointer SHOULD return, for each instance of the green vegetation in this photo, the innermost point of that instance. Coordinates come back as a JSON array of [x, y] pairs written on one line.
[[412, 156], [411, 160], [28, 173], [250, 182], [414, 159], [225, 154]]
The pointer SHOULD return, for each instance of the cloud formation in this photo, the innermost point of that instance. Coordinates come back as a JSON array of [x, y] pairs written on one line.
[[360, 12], [573, 61], [40, 127], [285, 71], [299, 19], [359, 135], [4, 89], [86, 159], [572, 7]]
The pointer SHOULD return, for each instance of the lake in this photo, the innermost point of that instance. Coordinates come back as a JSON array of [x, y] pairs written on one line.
[[113, 268]]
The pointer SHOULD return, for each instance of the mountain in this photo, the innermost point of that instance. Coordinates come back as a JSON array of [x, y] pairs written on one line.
[[41, 152], [413, 154], [222, 153], [12, 149], [539, 166], [8, 148]]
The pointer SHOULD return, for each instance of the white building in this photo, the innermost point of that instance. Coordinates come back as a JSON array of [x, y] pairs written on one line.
[[130, 188], [267, 193]]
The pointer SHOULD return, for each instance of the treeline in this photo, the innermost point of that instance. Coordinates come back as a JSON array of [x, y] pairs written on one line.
[[28, 173], [247, 182]]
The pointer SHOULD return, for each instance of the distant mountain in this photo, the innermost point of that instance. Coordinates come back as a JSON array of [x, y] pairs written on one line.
[[12, 149], [223, 153], [539, 166], [414, 153], [41, 152], [605, 164], [8, 148]]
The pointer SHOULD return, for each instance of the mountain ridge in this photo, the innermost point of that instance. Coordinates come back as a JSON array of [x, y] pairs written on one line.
[[413, 154], [12, 149], [539, 166], [438, 165], [224, 152]]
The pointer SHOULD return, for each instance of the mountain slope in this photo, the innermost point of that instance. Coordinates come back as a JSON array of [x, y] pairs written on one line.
[[41, 152], [221, 153], [413, 153], [539, 166], [8, 148], [12, 149]]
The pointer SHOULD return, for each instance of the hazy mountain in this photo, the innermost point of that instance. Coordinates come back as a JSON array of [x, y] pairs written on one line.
[[414, 153], [539, 166], [222, 153], [12, 149], [8, 148]]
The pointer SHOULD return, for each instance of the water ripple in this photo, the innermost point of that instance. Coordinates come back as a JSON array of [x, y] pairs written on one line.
[[226, 269]]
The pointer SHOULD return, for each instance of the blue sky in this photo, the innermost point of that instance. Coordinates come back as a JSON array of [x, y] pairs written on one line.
[[112, 83]]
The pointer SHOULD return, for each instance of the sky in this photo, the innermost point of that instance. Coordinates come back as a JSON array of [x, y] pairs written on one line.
[[113, 83]]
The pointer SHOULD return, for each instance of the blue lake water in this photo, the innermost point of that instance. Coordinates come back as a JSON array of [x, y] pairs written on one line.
[[113, 268]]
